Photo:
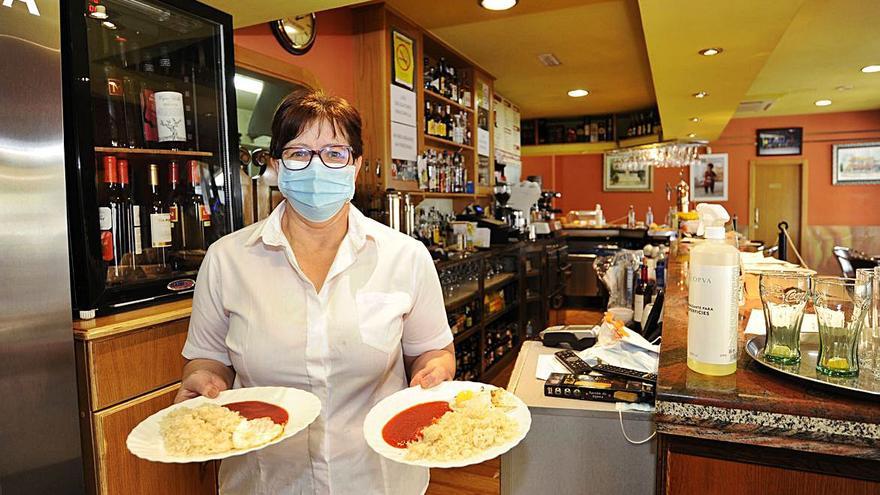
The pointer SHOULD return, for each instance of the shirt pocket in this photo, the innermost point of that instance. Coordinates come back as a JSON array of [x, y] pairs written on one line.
[[380, 318]]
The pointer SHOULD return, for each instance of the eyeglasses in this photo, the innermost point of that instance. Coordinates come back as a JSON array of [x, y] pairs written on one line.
[[332, 156]]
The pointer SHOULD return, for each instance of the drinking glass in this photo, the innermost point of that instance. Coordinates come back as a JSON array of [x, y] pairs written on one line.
[[840, 305], [784, 298], [866, 338]]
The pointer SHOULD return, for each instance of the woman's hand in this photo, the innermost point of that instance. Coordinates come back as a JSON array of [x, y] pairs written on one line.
[[432, 367], [203, 377]]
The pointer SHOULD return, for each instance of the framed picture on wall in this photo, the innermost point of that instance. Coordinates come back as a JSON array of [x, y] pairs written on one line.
[[618, 176], [780, 142], [856, 163], [710, 178]]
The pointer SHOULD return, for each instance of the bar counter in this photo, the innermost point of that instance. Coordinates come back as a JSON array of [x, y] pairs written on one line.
[[755, 416]]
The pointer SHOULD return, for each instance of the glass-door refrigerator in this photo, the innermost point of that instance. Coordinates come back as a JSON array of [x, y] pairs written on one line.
[[149, 133]]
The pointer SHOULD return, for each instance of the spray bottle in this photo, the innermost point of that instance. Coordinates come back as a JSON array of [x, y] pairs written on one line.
[[713, 296]]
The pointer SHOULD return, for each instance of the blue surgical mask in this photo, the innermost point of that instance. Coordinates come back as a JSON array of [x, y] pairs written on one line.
[[317, 192]]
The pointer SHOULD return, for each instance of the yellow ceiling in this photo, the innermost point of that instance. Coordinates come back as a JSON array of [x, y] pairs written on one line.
[[250, 12], [599, 43], [632, 54], [823, 49]]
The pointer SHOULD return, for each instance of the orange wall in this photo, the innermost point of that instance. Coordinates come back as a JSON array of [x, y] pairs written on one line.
[[579, 177], [331, 59]]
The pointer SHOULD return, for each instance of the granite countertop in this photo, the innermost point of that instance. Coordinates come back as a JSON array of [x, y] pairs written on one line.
[[753, 405]]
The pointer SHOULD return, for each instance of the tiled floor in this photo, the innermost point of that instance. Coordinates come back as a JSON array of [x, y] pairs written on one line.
[[483, 479]]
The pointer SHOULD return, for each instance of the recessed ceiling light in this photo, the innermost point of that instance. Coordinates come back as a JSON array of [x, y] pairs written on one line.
[[98, 12], [871, 68], [694, 119], [708, 52], [498, 4], [109, 25], [692, 135], [700, 94], [577, 93], [822, 103]]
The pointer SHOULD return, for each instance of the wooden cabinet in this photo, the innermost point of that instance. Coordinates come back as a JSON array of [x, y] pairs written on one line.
[[375, 28], [129, 367]]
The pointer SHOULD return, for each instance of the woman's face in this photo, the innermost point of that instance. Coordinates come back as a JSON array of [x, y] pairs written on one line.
[[316, 136]]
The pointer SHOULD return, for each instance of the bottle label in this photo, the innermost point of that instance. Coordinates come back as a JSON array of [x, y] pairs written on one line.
[[106, 245], [170, 116], [114, 87], [205, 215], [105, 218], [172, 214], [638, 307], [712, 313], [148, 115], [136, 222], [160, 229]]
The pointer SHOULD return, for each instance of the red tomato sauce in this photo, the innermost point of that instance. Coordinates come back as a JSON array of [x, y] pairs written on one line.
[[408, 424], [253, 409]]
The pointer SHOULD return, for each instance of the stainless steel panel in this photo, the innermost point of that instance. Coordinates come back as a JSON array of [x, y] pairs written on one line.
[[39, 429]]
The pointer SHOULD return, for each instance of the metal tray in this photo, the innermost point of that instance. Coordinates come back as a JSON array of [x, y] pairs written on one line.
[[866, 384]]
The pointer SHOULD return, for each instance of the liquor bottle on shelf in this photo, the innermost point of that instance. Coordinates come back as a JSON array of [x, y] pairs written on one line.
[[196, 215], [130, 216], [130, 100], [639, 295], [442, 69], [602, 130], [111, 222], [170, 114], [427, 74], [175, 202], [448, 124], [160, 220], [440, 125], [453, 84], [429, 119], [147, 101]]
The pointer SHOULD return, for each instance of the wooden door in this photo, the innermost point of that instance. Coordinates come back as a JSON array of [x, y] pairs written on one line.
[[777, 193], [121, 472]]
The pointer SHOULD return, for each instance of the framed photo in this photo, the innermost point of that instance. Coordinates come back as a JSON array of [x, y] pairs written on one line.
[[780, 142], [709, 179], [856, 163], [617, 177]]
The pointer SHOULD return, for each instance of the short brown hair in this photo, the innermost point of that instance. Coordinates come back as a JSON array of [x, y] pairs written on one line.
[[306, 106]]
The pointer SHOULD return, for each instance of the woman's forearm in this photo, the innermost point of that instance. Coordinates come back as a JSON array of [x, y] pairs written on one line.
[[437, 365], [211, 365]]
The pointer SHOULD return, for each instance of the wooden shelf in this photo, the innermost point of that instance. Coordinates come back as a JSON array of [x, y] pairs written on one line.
[[429, 140], [459, 337], [498, 280], [493, 317], [462, 295], [500, 364], [533, 273], [638, 141], [442, 99], [427, 194], [149, 151], [567, 148]]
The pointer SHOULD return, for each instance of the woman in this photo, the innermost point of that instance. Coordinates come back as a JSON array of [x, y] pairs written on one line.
[[321, 298]]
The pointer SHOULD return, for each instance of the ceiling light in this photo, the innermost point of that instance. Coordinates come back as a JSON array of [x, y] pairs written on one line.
[[708, 52], [98, 12], [871, 68], [700, 94], [692, 135], [247, 84], [498, 4], [822, 103], [694, 119], [845, 87], [109, 25], [577, 93]]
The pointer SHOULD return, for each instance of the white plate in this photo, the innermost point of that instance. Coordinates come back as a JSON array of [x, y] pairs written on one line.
[[388, 407], [302, 408]]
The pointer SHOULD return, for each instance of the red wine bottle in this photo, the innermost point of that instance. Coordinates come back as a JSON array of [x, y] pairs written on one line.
[[170, 114], [110, 222], [175, 205], [160, 219]]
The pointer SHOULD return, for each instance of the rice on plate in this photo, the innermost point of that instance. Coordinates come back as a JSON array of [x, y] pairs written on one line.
[[210, 428]]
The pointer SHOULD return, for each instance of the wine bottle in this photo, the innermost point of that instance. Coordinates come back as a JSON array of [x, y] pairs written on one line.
[[112, 133], [170, 115], [639, 296], [160, 220], [110, 221], [429, 119], [448, 124], [148, 101], [132, 237], [130, 99], [196, 215], [175, 204]]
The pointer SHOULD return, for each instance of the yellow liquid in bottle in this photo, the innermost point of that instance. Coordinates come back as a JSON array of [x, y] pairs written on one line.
[[711, 369]]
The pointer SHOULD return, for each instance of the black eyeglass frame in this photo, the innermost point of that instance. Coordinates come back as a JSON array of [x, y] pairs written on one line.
[[317, 152]]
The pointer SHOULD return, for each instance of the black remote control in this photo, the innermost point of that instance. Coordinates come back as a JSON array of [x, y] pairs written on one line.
[[580, 367], [573, 362]]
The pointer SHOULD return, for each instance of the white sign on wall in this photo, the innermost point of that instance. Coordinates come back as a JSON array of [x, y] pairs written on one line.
[[403, 106], [404, 145]]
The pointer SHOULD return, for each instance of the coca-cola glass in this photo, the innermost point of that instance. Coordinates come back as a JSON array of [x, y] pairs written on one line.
[[784, 297], [841, 305]]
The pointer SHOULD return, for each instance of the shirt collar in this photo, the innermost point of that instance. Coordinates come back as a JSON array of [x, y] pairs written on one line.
[[271, 234]]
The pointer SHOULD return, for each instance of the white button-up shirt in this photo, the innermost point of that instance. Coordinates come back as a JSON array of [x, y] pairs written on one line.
[[256, 311]]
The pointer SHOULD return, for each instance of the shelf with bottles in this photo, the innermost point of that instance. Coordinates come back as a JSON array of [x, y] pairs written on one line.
[[498, 342], [467, 358], [445, 172], [443, 124], [151, 151], [438, 98], [446, 77], [638, 124], [445, 143]]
